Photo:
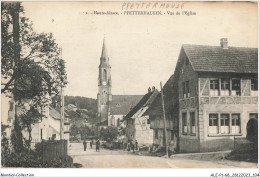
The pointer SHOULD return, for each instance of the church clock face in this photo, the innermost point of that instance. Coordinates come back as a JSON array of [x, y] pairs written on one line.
[[104, 83]]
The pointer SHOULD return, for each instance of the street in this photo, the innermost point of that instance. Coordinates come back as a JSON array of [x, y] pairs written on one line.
[[123, 159]]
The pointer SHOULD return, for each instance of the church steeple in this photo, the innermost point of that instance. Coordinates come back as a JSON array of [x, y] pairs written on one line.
[[104, 59], [104, 55], [104, 95]]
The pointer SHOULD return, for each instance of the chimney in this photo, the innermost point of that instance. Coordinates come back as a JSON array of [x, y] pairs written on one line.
[[149, 90], [224, 43], [153, 88]]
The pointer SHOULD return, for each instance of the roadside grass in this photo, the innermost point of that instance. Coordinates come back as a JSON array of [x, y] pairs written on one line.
[[248, 155]]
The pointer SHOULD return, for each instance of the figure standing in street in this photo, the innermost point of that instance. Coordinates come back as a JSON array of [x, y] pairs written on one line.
[[128, 146], [85, 145], [91, 143], [124, 145], [97, 145], [133, 146], [136, 145]]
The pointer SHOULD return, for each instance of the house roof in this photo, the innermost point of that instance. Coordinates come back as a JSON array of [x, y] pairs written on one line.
[[122, 104], [55, 113], [216, 59], [146, 100], [156, 105]]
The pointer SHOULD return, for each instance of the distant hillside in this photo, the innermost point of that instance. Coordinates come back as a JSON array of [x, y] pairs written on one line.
[[82, 102], [86, 109]]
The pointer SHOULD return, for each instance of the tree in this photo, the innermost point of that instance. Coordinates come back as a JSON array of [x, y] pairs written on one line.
[[4, 144], [122, 131], [27, 119], [32, 68], [22, 49], [17, 137], [74, 130], [109, 134]]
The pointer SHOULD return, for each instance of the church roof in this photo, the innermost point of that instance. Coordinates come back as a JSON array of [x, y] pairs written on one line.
[[122, 104]]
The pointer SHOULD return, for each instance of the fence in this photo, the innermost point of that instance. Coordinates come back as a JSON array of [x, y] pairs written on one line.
[[54, 149], [50, 149]]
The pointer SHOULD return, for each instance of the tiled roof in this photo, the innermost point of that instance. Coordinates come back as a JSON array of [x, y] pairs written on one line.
[[216, 59], [122, 104], [56, 113], [146, 100]]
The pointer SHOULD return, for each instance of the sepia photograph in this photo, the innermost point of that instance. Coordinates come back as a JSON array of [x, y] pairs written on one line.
[[129, 84]]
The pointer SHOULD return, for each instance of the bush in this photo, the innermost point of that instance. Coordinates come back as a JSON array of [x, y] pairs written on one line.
[[249, 155], [22, 160], [61, 162], [109, 134], [33, 160]]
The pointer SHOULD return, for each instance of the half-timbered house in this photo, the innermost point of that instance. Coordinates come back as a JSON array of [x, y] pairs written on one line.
[[218, 95]]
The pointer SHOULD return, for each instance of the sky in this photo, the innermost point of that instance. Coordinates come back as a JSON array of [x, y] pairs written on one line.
[[143, 49]]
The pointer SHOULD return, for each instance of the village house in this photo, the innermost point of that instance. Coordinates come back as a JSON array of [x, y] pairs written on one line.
[[218, 95], [211, 98], [47, 128], [155, 113], [138, 125]]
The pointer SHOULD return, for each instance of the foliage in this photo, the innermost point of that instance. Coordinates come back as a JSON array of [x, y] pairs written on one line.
[[17, 137], [3, 127], [122, 131], [74, 130], [39, 58], [249, 155], [33, 159], [60, 162], [28, 118], [22, 159], [4, 144], [31, 67], [109, 134], [83, 103], [83, 130]]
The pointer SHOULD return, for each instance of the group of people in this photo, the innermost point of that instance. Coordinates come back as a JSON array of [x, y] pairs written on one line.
[[130, 145], [91, 144]]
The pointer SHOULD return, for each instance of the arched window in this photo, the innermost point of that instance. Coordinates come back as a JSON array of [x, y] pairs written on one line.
[[105, 74]]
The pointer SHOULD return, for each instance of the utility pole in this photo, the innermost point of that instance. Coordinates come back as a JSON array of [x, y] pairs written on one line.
[[61, 109], [165, 130], [15, 10]]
